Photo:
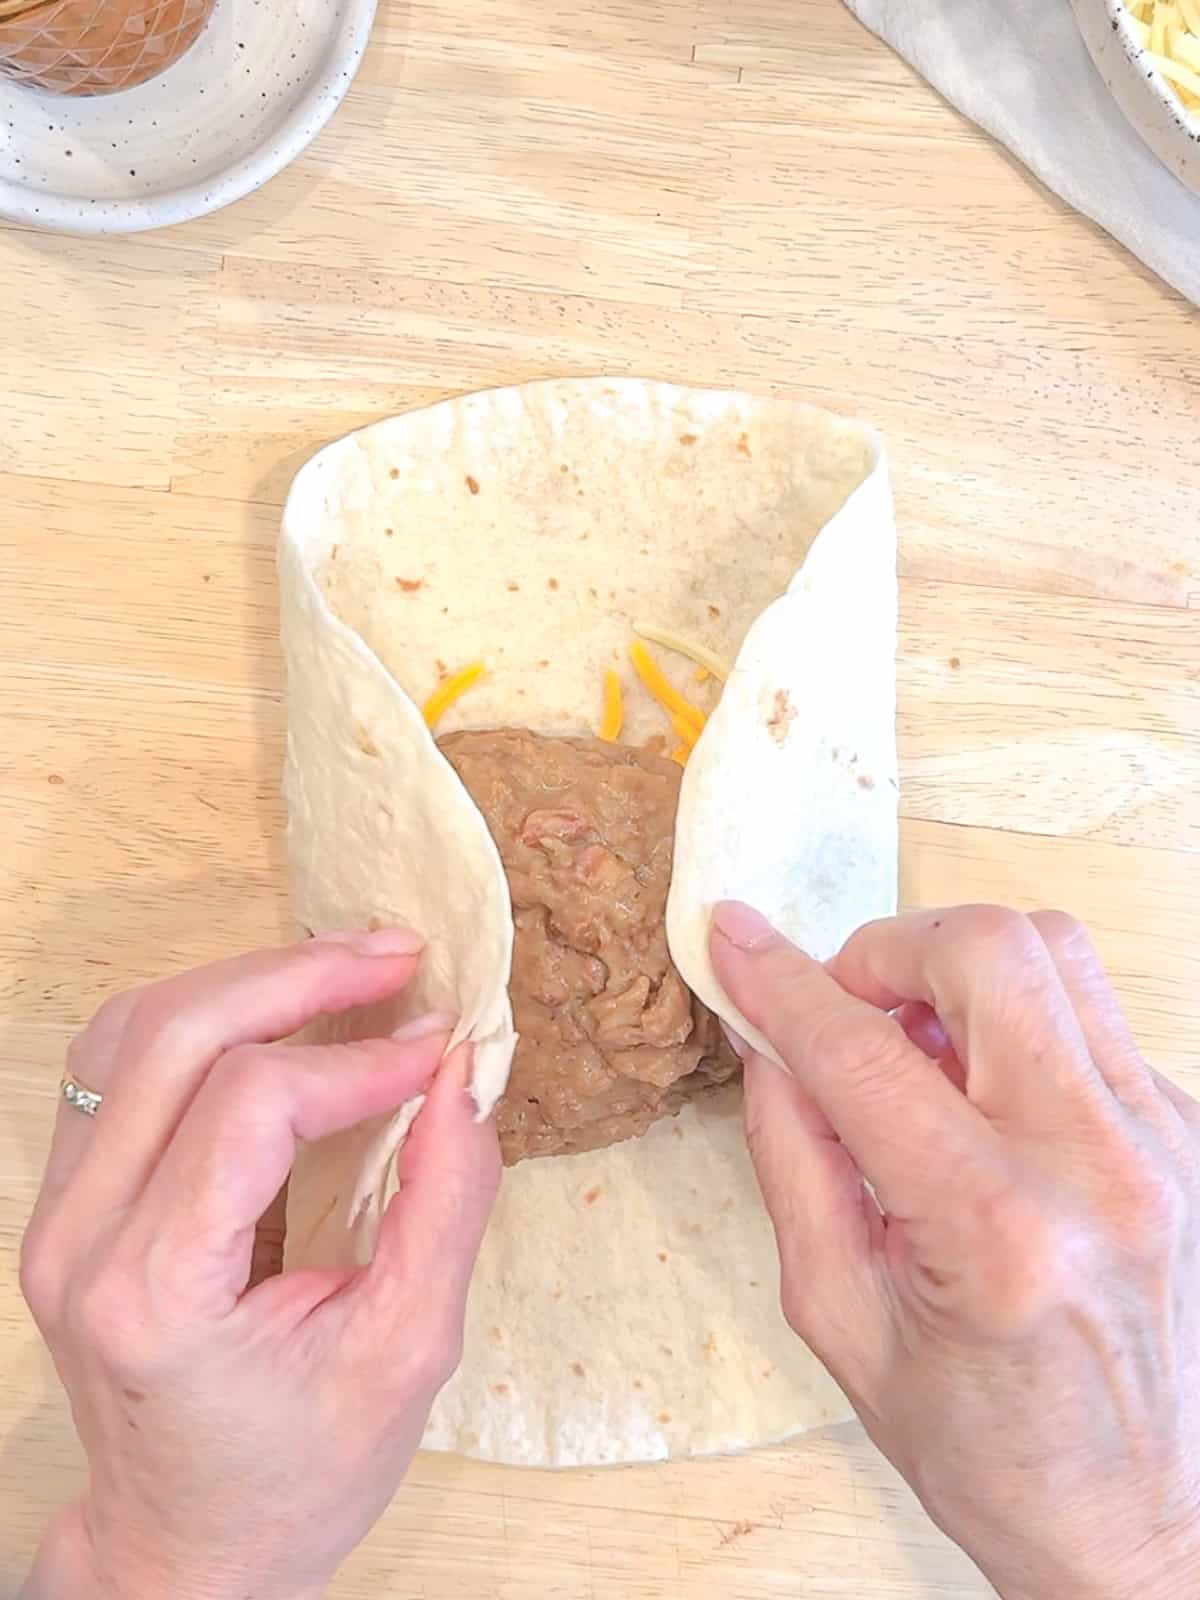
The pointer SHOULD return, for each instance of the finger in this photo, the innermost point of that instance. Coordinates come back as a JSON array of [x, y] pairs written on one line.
[[1108, 1034], [908, 1131], [193, 1226], [415, 1290], [91, 1060], [988, 976], [922, 1028], [175, 1030], [812, 1190]]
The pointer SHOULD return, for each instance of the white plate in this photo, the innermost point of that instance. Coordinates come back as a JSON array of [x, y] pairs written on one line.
[[1142, 93], [261, 82]]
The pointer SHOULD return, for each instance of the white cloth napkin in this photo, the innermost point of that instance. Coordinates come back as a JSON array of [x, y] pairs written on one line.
[[1020, 69]]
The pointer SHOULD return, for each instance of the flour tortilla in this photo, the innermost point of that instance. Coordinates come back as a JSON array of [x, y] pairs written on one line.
[[625, 1307]]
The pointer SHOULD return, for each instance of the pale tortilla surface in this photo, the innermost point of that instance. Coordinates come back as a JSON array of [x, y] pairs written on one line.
[[625, 1307]]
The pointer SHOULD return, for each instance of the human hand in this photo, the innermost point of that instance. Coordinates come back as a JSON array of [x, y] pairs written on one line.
[[1017, 1320], [241, 1443]]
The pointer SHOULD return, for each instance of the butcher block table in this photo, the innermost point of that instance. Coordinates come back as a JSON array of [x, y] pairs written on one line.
[[727, 192]]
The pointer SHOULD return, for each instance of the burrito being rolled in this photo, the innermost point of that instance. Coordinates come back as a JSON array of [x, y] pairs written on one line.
[[568, 664]]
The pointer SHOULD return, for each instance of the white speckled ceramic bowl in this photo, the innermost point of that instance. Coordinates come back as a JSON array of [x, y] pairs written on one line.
[[260, 83], [1143, 94]]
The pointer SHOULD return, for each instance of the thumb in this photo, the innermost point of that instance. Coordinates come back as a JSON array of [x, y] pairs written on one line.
[[449, 1172], [826, 1223], [909, 1131]]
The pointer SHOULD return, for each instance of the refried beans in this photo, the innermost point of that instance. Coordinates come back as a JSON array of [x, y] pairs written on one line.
[[611, 1038]]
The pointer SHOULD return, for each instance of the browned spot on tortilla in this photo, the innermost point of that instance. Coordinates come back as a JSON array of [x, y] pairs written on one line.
[[738, 1531], [677, 1131], [665, 1350], [584, 537], [656, 744], [386, 810], [374, 924], [688, 438], [754, 1283], [394, 473], [592, 1195], [513, 587], [557, 1294], [577, 1368], [543, 663], [552, 583], [471, 1441], [710, 1346], [638, 1384], [767, 1371], [564, 467], [694, 1228], [955, 663], [662, 1255], [783, 714], [442, 668], [865, 781], [472, 483], [664, 1416], [743, 445], [445, 611], [410, 585], [714, 611], [388, 532], [594, 594], [334, 551], [364, 740], [500, 1389], [496, 1335], [55, 777]]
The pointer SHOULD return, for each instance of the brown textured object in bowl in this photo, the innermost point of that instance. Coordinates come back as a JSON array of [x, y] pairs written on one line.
[[88, 47]]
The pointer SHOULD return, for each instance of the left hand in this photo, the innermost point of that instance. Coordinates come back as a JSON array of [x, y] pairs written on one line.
[[241, 1443]]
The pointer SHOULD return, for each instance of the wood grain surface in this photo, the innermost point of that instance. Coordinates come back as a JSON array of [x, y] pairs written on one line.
[[745, 192]]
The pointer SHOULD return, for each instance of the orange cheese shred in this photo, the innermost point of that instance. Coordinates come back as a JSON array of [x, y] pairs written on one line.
[[680, 754], [444, 696], [664, 691], [685, 731], [613, 719]]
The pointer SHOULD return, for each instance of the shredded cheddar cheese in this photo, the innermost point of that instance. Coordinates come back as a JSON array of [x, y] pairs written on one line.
[[1170, 31], [444, 696], [680, 754], [708, 659], [664, 691], [613, 719], [685, 731]]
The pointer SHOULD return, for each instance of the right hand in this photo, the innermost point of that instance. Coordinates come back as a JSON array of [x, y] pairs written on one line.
[[1015, 1315]]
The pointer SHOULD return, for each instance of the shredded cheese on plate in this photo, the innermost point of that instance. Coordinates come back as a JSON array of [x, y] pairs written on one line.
[[1169, 31]]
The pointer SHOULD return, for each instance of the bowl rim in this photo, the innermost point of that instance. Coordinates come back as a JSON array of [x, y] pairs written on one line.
[[56, 211], [1135, 50]]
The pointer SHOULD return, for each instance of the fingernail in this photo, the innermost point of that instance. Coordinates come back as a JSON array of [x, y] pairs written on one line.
[[376, 941], [737, 1044], [425, 1026], [744, 927]]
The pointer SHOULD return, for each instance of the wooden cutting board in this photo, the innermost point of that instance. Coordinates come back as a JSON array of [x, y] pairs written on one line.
[[750, 192]]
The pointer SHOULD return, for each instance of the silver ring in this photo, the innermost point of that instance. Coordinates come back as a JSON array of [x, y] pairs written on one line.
[[80, 1096]]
